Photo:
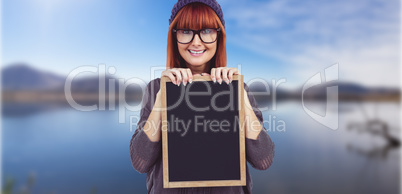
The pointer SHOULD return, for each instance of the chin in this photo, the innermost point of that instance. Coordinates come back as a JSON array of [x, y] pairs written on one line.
[[195, 64]]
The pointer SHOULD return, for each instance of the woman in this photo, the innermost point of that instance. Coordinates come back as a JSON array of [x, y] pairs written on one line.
[[196, 46]]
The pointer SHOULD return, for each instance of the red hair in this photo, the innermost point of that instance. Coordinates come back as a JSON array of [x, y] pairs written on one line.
[[195, 16]]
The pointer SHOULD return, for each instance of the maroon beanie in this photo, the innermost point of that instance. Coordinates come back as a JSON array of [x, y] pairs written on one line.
[[211, 3]]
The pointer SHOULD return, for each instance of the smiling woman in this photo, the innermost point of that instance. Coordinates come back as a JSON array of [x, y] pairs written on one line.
[[196, 46], [196, 16]]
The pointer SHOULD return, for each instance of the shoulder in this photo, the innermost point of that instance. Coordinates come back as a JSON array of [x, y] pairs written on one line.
[[156, 80], [154, 84], [152, 88]]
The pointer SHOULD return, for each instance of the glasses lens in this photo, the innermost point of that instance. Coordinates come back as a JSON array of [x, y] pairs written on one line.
[[184, 36], [209, 35]]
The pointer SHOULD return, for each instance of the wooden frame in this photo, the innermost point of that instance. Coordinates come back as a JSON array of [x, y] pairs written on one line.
[[209, 183]]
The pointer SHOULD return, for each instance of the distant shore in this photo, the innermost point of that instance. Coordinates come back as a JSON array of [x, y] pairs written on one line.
[[36, 96]]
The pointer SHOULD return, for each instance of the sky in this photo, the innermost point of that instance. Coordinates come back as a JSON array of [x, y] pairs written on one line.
[[271, 40]]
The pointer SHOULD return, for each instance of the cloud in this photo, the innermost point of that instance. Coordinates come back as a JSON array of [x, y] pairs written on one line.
[[307, 36]]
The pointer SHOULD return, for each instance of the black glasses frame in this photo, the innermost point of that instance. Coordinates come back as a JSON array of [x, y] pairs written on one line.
[[218, 30]]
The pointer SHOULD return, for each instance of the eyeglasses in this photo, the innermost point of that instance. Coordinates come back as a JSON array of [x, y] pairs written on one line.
[[207, 35]]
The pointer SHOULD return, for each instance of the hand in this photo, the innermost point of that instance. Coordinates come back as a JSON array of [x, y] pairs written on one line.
[[177, 75], [223, 73]]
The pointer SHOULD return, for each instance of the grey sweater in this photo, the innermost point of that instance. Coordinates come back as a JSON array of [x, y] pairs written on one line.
[[146, 156]]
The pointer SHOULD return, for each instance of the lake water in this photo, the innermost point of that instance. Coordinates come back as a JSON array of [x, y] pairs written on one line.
[[68, 151]]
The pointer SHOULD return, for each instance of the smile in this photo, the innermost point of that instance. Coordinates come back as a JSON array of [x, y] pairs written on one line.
[[196, 52]]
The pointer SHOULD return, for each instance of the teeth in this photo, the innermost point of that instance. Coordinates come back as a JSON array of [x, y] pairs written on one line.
[[196, 52]]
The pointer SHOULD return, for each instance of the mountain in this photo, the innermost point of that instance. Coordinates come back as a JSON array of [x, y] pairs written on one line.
[[26, 90], [351, 89], [343, 87], [23, 77], [91, 84]]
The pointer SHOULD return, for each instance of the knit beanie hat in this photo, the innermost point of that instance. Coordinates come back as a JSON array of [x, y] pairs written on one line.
[[211, 3]]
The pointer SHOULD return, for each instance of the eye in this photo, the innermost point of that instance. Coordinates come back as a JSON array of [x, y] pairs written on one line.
[[185, 31], [206, 31]]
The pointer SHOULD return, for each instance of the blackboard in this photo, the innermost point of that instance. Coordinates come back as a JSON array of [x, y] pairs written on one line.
[[203, 141]]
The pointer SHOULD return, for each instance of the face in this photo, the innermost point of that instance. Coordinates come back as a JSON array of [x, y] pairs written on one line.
[[197, 53]]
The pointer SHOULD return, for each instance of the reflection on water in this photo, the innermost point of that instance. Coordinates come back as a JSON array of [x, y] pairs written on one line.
[[22, 110], [88, 152], [379, 128], [313, 159]]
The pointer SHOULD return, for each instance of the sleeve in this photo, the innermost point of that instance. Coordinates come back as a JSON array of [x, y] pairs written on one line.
[[259, 152], [143, 151]]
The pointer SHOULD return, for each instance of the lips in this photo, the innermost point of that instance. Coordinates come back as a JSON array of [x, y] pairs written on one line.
[[196, 51]]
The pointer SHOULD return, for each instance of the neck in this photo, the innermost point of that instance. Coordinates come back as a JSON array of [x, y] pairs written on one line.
[[199, 69]]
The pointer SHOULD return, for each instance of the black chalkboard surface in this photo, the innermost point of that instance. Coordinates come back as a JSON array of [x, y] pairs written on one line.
[[202, 133]]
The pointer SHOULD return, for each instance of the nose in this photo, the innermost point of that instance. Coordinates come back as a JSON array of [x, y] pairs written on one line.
[[196, 40]]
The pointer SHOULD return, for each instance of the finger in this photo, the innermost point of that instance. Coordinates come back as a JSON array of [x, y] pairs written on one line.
[[170, 76], [230, 74], [190, 76], [213, 75], [218, 75], [184, 75], [204, 74], [225, 75], [197, 74], [173, 78], [178, 76], [236, 71]]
